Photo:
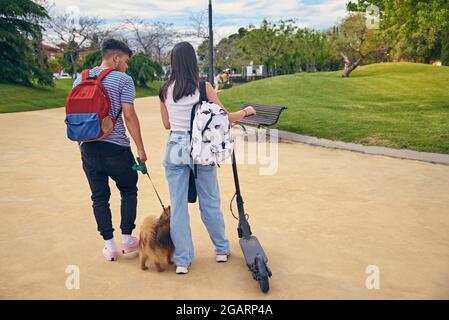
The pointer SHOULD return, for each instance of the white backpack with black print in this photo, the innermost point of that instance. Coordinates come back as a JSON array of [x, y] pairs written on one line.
[[211, 138]]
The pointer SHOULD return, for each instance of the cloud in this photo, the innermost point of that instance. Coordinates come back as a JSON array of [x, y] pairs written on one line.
[[229, 15]]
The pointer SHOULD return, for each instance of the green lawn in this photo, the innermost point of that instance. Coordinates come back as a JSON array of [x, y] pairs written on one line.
[[15, 98], [398, 105]]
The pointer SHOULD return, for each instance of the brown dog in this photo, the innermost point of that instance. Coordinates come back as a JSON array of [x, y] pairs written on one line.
[[155, 242]]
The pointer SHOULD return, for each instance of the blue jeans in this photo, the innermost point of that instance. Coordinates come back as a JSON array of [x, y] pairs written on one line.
[[177, 165]]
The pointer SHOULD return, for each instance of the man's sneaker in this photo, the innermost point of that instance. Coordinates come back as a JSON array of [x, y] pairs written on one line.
[[182, 270], [109, 254], [131, 246], [222, 257]]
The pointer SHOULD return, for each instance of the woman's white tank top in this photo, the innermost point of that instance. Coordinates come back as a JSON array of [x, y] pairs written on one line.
[[179, 112]]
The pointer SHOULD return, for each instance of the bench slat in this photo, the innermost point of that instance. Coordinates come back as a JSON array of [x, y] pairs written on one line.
[[266, 115]]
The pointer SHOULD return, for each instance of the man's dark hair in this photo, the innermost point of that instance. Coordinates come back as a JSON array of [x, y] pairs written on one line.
[[111, 46]]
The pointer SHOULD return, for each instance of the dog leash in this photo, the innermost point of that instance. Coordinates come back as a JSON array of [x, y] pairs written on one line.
[[143, 168]]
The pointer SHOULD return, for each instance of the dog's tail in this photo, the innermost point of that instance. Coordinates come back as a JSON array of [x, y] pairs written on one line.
[[142, 240], [146, 232]]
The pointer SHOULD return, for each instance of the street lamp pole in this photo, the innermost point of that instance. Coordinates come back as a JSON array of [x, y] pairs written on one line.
[[211, 47]]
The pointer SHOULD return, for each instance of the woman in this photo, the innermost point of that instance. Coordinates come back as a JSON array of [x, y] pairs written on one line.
[[177, 97]]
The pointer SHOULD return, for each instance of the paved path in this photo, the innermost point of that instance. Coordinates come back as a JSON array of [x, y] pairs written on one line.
[[322, 219]]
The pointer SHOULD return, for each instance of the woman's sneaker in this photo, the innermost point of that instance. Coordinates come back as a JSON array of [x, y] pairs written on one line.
[[109, 254], [222, 257], [182, 270], [131, 246]]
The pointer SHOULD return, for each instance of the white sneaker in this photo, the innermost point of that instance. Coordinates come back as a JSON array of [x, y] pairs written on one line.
[[182, 270], [221, 257]]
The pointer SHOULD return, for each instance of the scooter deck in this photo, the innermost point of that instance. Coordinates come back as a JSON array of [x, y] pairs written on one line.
[[251, 247]]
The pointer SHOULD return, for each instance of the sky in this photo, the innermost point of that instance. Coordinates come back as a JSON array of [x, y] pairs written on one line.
[[228, 15]]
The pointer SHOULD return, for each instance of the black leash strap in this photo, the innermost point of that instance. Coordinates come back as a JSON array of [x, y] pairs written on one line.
[[163, 207], [140, 166]]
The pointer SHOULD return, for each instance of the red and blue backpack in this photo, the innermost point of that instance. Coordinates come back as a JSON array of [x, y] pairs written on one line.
[[87, 109]]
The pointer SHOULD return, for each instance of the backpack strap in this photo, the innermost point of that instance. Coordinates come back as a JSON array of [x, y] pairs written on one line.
[[203, 94], [194, 173], [203, 97], [100, 77], [207, 123], [104, 73], [192, 116], [84, 75]]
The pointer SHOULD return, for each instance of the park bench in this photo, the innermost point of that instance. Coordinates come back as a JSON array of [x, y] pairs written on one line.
[[266, 116]]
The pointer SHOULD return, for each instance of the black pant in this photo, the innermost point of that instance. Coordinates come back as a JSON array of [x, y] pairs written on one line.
[[102, 160]]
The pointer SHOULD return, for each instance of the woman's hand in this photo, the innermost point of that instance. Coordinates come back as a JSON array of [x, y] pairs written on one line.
[[250, 111], [232, 116]]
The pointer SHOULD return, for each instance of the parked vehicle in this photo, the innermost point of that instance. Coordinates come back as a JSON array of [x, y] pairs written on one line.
[[63, 75]]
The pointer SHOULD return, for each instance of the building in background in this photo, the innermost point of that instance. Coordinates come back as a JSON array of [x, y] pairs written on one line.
[[54, 52], [254, 72]]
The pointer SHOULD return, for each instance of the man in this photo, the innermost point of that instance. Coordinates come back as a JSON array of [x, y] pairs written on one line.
[[217, 81], [112, 156]]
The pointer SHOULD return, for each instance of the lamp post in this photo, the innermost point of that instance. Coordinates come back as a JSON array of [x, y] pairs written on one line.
[[211, 47]]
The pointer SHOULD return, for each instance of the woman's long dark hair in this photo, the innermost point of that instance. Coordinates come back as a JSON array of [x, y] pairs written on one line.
[[184, 70]]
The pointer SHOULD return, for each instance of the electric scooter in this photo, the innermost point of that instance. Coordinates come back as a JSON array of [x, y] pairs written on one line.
[[255, 257]]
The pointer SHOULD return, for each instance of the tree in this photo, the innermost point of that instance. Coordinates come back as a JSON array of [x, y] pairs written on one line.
[[142, 69], [165, 39], [266, 43], [420, 26], [284, 48], [76, 33], [445, 48], [228, 53], [141, 35], [41, 70], [355, 42], [417, 29], [362, 5], [54, 64], [20, 47], [199, 25], [203, 56], [313, 50], [99, 35], [91, 60], [154, 39], [70, 58]]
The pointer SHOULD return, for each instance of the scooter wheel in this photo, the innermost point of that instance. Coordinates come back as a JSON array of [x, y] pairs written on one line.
[[264, 284], [263, 274]]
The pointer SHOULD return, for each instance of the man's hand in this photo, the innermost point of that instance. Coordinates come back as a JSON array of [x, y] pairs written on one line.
[[142, 155]]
